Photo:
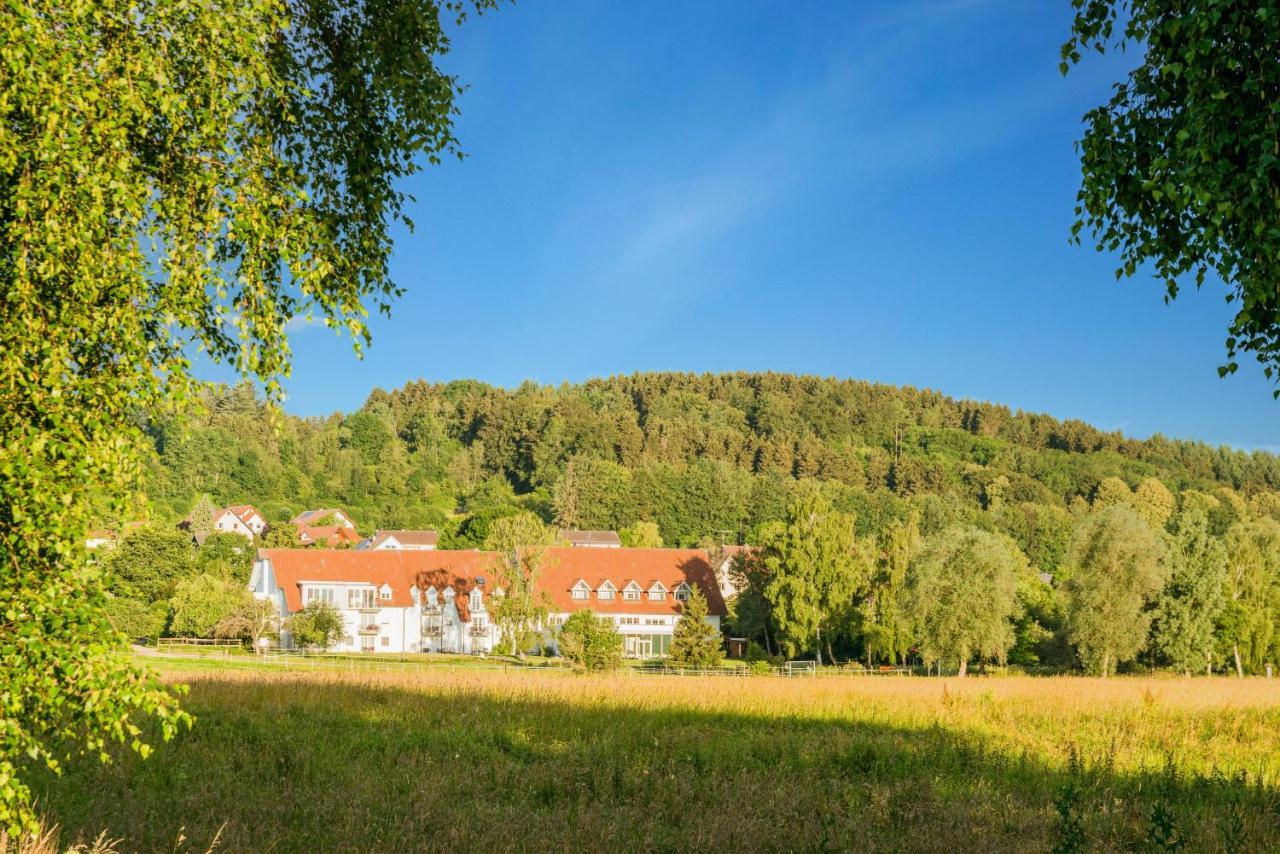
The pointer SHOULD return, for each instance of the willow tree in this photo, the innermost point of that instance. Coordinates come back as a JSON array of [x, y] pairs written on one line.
[[175, 179], [1114, 569], [1181, 167], [962, 592]]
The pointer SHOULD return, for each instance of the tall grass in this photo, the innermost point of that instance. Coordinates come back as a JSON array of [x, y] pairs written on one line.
[[514, 761]]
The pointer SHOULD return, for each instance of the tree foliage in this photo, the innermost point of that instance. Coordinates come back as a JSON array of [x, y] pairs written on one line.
[[963, 595], [814, 570], [174, 178], [1181, 166], [1115, 568], [1188, 607], [318, 624], [590, 642], [695, 642], [521, 542], [201, 602]]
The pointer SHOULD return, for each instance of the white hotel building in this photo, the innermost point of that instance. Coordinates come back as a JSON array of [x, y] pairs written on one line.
[[396, 600]]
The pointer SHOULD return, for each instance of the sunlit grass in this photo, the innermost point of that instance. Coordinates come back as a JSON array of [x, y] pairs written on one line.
[[439, 758]]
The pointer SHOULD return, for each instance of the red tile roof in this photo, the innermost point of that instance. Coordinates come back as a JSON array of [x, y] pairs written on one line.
[[327, 534], [398, 569], [592, 538], [406, 538], [566, 564], [563, 567]]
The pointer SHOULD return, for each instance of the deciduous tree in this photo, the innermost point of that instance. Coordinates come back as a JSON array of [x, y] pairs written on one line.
[[590, 642], [521, 542], [963, 595], [813, 569], [1188, 607], [1115, 568], [1181, 169], [317, 625], [176, 178]]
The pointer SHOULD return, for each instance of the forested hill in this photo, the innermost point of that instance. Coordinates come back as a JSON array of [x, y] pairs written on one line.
[[703, 456]]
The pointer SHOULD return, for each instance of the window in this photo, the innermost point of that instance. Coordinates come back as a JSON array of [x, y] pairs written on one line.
[[606, 591], [655, 621], [682, 592], [320, 594], [631, 592], [433, 598], [360, 599], [385, 593], [368, 621], [386, 641], [476, 602], [657, 592], [628, 621], [581, 590]]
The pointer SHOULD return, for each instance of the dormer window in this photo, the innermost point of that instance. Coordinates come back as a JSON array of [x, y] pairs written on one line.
[[631, 592], [448, 595], [682, 591], [581, 591], [657, 592], [384, 593], [606, 591], [433, 597], [476, 602]]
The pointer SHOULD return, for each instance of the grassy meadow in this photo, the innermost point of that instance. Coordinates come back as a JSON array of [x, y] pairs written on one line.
[[515, 761]]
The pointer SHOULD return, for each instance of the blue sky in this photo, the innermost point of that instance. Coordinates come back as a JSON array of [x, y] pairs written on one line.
[[875, 190]]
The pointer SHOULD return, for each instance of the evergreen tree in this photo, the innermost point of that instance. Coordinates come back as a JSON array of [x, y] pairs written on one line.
[[200, 519], [695, 642]]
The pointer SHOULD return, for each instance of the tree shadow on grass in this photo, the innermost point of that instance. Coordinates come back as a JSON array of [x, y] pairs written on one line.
[[331, 765]]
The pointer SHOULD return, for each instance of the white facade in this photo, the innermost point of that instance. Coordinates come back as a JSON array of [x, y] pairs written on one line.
[[643, 635], [373, 623], [227, 522]]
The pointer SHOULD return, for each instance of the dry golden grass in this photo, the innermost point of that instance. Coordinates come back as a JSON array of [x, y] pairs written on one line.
[[545, 761]]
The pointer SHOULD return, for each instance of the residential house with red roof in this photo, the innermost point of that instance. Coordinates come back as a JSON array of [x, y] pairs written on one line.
[[337, 530], [411, 540], [593, 539], [242, 519], [401, 600]]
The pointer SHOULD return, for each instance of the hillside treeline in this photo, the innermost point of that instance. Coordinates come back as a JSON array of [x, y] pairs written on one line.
[[683, 459], [703, 456]]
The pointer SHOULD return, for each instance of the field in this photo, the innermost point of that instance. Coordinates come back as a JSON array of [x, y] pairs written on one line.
[[434, 759]]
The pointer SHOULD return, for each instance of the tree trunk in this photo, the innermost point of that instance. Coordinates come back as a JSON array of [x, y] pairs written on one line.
[[768, 644], [1106, 664], [831, 656], [1235, 651], [964, 667]]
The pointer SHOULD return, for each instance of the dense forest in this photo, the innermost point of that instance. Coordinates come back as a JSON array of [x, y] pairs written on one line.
[[927, 481], [702, 456]]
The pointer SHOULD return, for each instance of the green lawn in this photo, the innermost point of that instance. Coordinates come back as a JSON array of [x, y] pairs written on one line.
[[460, 759]]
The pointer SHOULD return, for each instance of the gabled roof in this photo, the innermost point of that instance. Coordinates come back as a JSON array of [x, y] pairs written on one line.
[[327, 534], [592, 538], [565, 565], [309, 517], [405, 538], [400, 570], [244, 511]]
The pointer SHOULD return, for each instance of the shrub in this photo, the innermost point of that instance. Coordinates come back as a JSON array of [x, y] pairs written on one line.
[[590, 643]]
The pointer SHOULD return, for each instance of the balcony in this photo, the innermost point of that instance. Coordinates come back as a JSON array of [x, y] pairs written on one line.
[[369, 630], [362, 600], [478, 631], [432, 630]]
